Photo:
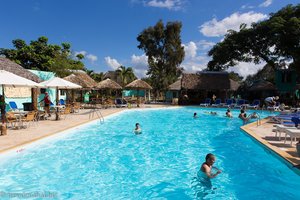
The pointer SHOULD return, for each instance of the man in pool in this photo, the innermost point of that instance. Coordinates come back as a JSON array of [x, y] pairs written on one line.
[[228, 113], [137, 129], [207, 166]]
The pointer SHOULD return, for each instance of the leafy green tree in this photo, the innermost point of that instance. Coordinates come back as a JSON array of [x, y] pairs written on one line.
[[273, 40], [40, 55], [162, 45], [126, 75], [96, 76]]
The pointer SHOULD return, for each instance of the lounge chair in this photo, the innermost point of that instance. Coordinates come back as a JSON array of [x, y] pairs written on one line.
[[206, 102], [62, 102], [120, 103], [281, 128], [255, 104], [13, 106], [217, 103], [240, 103], [294, 133], [228, 103]]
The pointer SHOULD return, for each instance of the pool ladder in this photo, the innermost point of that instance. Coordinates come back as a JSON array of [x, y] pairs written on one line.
[[98, 113]]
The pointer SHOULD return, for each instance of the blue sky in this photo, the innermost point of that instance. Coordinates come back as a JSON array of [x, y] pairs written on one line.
[[105, 31]]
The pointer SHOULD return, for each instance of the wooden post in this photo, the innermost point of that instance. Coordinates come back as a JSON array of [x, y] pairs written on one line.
[[2, 101], [34, 98]]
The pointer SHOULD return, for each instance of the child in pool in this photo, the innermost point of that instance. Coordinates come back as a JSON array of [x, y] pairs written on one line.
[[137, 129]]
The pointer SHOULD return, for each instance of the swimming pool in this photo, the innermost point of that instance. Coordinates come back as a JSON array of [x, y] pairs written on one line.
[[107, 161]]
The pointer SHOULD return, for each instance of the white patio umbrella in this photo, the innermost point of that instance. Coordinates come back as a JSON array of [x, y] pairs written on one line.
[[12, 80], [59, 83]]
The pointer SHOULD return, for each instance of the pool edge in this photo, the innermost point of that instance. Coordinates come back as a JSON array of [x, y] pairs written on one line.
[[283, 156]]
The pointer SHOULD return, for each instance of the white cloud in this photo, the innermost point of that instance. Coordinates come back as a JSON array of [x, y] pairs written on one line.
[[169, 4], [244, 69], [215, 28], [205, 45], [246, 6], [140, 65], [111, 62], [92, 57], [190, 49], [266, 3]]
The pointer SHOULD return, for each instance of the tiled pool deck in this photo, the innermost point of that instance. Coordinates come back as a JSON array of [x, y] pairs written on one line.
[[265, 135]]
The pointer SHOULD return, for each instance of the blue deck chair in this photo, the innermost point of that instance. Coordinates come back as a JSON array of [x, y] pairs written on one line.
[[240, 103], [62, 102], [13, 105], [206, 102], [120, 103], [255, 104], [229, 103], [217, 103]]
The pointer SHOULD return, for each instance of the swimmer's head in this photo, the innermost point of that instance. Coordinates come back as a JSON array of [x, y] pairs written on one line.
[[195, 114], [228, 110], [137, 124], [242, 111], [210, 159]]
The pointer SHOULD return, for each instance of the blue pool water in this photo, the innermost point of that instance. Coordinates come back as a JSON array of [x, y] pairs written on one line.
[[107, 161]]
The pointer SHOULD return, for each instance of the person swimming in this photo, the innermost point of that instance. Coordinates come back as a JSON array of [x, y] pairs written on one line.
[[207, 166], [211, 112], [228, 113], [137, 129], [195, 115]]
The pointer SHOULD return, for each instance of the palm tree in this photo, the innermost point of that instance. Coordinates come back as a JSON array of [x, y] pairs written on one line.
[[126, 75]]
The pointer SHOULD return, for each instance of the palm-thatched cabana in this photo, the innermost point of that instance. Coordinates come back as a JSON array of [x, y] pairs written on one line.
[[10, 66], [138, 85], [261, 89], [199, 86], [82, 79], [109, 84]]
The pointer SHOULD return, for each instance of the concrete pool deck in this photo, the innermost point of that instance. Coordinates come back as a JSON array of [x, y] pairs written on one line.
[[15, 138], [265, 135]]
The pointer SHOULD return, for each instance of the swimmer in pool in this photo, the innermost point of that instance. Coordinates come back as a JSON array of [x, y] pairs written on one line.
[[228, 113], [137, 129], [207, 166], [212, 113], [195, 115]]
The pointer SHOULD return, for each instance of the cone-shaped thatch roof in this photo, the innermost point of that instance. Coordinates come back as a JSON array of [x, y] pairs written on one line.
[[208, 81], [138, 84], [262, 85], [10, 66], [109, 84], [82, 79], [175, 86]]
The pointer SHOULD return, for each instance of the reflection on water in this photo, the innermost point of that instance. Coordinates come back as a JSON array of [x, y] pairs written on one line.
[[202, 186]]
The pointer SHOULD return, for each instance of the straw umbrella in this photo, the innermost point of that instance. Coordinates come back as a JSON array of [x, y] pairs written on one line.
[[59, 83], [82, 79], [12, 67], [12, 80], [138, 85], [108, 84]]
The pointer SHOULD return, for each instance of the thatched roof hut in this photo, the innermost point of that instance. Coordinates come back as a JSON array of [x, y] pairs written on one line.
[[109, 84], [138, 84], [262, 85], [10, 66], [176, 86], [208, 81], [82, 79]]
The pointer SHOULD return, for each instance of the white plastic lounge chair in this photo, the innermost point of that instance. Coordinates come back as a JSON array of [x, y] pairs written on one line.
[[293, 133], [281, 128]]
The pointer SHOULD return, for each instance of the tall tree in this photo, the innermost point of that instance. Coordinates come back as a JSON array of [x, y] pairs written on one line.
[[274, 40], [96, 76], [126, 75], [162, 45]]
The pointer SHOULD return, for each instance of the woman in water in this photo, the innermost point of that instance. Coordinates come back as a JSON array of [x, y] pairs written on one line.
[[228, 113]]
